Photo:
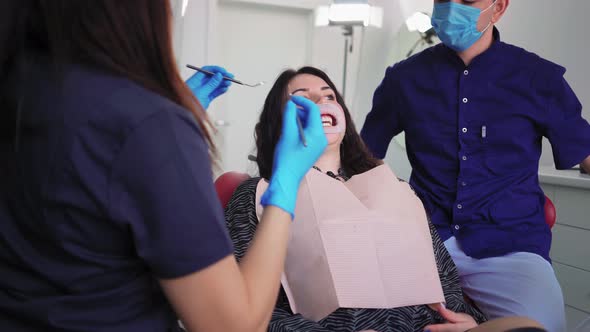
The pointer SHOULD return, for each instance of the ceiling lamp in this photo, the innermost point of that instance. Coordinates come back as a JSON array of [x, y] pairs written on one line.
[[349, 13]]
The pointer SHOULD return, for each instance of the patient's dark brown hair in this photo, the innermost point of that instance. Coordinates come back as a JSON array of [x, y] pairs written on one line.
[[355, 158]]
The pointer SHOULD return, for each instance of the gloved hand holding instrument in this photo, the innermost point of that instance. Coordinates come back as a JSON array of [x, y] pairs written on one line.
[[293, 159], [209, 83]]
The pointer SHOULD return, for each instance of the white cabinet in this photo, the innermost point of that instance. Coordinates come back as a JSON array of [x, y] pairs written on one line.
[[570, 249]]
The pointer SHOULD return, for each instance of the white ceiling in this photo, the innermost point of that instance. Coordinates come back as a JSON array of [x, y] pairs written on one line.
[[302, 4], [407, 7]]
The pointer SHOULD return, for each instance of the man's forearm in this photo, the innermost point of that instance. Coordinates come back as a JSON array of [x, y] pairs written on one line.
[[586, 164]]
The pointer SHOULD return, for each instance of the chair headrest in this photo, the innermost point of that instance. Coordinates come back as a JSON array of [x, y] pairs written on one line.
[[227, 183]]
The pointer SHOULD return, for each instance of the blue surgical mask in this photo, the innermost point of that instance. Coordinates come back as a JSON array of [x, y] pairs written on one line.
[[456, 24]]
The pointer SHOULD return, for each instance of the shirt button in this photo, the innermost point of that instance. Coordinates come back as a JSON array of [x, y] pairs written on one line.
[[464, 130], [465, 100], [459, 206], [464, 158], [457, 227], [464, 184], [466, 72]]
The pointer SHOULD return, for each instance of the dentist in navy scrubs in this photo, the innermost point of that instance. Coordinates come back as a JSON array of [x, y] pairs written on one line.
[[108, 216], [474, 110]]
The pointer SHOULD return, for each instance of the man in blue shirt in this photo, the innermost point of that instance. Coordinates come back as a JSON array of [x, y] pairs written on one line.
[[474, 111]]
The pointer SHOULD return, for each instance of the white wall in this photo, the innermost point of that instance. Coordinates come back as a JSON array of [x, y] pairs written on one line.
[[193, 33], [327, 53], [379, 50], [255, 42]]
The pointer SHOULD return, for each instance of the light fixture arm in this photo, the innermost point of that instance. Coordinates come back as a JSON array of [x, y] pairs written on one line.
[[348, 42], [425, 38]]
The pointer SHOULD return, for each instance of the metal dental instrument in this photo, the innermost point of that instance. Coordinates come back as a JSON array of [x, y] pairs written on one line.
[[300, 127], [225, 77], [301, 134]]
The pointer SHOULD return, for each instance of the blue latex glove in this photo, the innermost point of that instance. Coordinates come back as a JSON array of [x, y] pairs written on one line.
[[208, 87], [292, 160]]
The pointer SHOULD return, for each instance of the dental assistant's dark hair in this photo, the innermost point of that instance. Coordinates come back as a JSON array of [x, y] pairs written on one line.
[[127, 38], [355, 158]]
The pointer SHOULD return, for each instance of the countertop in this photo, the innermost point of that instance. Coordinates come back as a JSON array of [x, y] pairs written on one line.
[[568, 178]]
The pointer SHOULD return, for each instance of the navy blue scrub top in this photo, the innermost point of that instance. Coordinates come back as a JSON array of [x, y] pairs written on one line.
[[110, 189], [473, 138]]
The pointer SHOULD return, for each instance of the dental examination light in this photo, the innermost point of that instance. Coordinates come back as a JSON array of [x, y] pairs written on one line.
[[418, 22], [348, 14]]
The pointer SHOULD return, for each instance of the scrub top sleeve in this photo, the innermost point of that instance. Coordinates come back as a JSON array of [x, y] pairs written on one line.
[[567, 131], [162, 191], [383, 121]]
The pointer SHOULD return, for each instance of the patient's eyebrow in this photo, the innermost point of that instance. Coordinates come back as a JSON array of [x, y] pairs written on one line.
[[306, 89]]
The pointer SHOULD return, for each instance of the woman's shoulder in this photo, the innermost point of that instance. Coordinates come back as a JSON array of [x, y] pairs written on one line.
[[128, 100], [245, 190], [87, 94], [242, 204]]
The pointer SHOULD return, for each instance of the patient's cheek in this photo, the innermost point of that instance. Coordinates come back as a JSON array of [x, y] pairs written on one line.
[[333, 138]]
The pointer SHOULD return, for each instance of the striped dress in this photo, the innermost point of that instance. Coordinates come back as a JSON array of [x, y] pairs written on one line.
[[241, 219]]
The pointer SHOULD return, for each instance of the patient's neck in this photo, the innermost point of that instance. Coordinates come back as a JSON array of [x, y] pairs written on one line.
[[330, 160]]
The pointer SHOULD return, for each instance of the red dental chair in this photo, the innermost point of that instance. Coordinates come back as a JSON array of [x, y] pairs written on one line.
[[227, 183], [550, 212]]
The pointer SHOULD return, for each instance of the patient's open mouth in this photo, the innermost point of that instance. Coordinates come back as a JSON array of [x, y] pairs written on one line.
[[333, 119], [328, 120]]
